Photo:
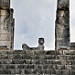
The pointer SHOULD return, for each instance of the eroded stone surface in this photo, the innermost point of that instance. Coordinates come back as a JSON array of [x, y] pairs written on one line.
[[62, 32], [6, 25], [63, 4], [37, 62], [4, 4]]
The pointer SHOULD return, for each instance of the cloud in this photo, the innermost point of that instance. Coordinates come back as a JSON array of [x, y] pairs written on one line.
[[36, 18]]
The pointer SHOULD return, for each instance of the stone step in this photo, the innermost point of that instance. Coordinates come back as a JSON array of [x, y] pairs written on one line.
[[37, 72], [45, 57], [37, 61], [38, 52], [34, 66]]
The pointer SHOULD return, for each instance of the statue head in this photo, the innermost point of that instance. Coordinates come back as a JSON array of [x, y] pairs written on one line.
[[41, 41]]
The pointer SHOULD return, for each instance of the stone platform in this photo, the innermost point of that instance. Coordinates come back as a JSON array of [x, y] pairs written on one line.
[[35, 62]]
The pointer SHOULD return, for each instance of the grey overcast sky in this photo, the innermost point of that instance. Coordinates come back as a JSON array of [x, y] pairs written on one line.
[[35, 19]]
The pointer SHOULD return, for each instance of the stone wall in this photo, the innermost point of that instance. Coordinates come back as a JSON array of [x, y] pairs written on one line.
[[37, 62]]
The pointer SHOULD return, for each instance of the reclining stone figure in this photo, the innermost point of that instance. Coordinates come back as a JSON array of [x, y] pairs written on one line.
[[40, 46]]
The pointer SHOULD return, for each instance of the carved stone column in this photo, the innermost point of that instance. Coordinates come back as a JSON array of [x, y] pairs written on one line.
[[62, 27], [6, 25]]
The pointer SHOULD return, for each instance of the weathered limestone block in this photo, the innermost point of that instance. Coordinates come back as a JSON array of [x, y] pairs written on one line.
[[27, 71], [70, 52], [17, 56], [4, 48], [63, 4], [5, 71], [16, 71], [10, 66], [63, 18], [4, 4], [49, 57], [72, 45]]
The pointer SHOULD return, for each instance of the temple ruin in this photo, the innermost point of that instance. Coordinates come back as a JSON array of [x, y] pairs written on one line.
[[36, 60]]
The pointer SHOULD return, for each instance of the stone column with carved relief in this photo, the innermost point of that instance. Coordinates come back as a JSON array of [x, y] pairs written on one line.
[[62, 27], [6, 26]]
